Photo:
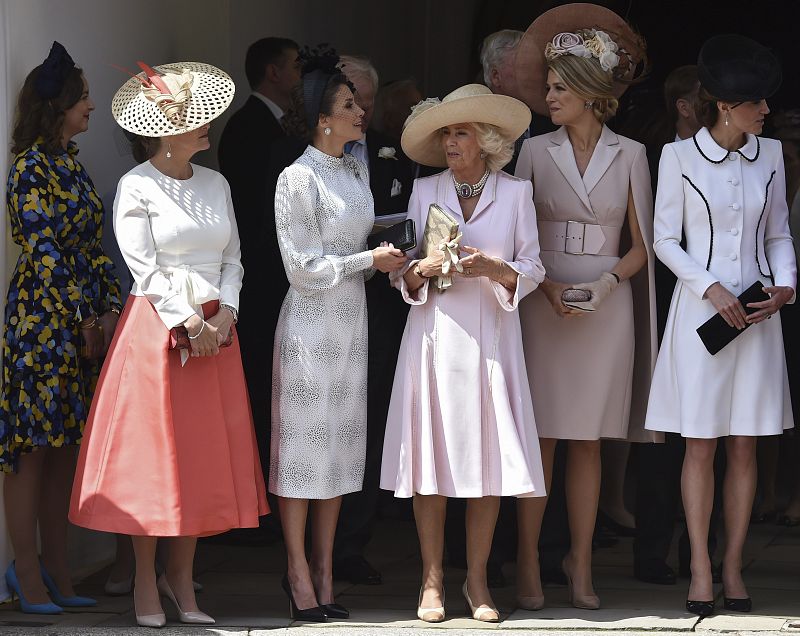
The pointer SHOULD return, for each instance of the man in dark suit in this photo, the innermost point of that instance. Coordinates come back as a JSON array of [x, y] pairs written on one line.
[[273, 68], [390, 179]]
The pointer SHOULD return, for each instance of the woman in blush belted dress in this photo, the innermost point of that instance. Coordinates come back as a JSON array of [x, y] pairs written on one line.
[[170, 449], [589, 362], [725, 191]]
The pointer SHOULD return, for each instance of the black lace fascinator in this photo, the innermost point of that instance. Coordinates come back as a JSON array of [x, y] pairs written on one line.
[[320, 65], [54, 72]]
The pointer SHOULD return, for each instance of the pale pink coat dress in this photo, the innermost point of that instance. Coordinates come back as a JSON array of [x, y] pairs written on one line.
[[461, 420]]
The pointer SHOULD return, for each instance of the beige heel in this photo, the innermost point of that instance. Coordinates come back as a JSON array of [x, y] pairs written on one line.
[[591, 602], [148, 620], [430, 614], [530, 603], [482, 614], [194, 618]]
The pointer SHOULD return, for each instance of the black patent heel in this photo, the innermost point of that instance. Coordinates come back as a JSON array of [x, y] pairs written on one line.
[[309, 615]]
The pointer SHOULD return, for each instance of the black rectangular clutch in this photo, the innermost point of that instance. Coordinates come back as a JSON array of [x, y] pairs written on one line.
[[716, 333], [402, 235]]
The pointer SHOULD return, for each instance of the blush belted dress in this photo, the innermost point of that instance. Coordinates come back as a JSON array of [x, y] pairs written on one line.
[[590, 374], [169, 449], [461, 420]]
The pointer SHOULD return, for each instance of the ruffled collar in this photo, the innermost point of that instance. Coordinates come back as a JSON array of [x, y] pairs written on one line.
[[714, 153], [346, 160]]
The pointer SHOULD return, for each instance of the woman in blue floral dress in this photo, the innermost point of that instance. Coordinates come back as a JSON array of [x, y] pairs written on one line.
[[62, 307]]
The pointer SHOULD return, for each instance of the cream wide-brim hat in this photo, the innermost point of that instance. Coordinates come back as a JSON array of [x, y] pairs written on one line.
[[473, 103], [211, 90]]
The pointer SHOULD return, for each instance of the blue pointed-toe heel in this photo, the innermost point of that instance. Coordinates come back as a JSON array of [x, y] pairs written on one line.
[[64, 601], [28, 608]]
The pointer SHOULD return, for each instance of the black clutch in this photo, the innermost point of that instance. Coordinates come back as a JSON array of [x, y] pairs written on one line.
[[402, 235], [716, 333]]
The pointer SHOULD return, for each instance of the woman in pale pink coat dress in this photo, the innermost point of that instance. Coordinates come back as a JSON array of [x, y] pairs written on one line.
[[461, 420]]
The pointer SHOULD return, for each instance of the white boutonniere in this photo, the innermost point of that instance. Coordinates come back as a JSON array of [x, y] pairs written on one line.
[[387, 152]]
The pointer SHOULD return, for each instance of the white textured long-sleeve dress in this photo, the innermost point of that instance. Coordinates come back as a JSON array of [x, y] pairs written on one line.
[[323, 214], [732, 208], [461, 420]]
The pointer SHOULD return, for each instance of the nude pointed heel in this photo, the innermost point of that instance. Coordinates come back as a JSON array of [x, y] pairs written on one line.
[[194, 618], [583, 602], [434, 614], [480, 613]]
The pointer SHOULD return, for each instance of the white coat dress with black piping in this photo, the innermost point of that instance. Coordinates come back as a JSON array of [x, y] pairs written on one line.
[[731, 206]]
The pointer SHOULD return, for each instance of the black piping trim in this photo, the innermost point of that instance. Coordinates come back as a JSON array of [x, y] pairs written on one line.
[[755, 156], [710, 160], [758, 226], [708, 209]]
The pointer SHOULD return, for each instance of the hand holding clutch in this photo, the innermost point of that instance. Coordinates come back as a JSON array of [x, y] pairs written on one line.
[[599, 290]]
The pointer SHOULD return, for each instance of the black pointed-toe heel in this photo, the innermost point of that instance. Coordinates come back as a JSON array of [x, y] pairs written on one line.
[[701, 608], [738, 604], [334, 610], [310, 615]]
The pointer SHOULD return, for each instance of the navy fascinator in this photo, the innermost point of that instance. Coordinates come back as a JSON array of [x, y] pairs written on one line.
[[54, 72], [320, 64]]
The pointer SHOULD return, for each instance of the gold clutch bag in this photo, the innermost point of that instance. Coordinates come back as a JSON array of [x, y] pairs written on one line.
[[441, 232]]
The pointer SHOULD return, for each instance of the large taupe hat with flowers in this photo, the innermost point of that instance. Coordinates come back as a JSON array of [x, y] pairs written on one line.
[[582, 29], [473, 103], [171, 99]]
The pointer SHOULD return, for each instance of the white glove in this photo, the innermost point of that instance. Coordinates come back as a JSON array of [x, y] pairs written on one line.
[[599, 289]]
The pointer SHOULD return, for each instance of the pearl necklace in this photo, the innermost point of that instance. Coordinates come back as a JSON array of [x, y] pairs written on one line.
[[468, 190]]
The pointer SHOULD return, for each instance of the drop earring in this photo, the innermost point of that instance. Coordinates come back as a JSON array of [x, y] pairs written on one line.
[[169, 150], [327, 131], [726, 117]]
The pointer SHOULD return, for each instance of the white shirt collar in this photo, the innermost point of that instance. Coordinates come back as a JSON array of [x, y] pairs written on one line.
[[715, 153], [276, 110]]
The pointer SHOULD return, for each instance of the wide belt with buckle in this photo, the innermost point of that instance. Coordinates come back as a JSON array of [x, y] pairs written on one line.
[[575, 237]]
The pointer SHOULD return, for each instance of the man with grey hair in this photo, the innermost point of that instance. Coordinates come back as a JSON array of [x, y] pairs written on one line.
[[390, 180], [497, 59]]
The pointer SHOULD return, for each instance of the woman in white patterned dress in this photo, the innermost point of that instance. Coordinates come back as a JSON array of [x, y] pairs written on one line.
[[323, 214]]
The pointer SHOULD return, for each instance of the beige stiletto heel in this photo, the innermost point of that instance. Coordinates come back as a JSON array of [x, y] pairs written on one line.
[[480, 613], [430, 614]]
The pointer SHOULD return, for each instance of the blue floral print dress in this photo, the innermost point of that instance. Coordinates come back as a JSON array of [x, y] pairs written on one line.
[[61, 276]]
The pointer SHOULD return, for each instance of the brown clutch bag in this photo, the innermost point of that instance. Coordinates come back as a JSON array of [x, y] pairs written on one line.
[[441, 232]]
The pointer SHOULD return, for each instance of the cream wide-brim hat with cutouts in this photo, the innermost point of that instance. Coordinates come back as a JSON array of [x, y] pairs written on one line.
[[473, 103], [211, 91]]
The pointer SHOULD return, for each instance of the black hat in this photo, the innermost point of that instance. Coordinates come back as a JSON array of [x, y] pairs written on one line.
[[54, 72], [734, 68]]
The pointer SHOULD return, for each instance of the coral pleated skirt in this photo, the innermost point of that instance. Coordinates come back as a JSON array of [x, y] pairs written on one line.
[[168, 450]]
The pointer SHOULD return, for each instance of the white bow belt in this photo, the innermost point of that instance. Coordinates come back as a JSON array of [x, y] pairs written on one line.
[[192, 282]]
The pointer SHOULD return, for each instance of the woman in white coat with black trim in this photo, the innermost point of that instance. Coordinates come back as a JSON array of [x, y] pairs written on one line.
[[724, 189]]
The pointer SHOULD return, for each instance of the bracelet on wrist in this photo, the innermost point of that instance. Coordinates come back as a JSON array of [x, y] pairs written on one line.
[[615, 276], [197, 335], [89, 323], [232, 309]]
